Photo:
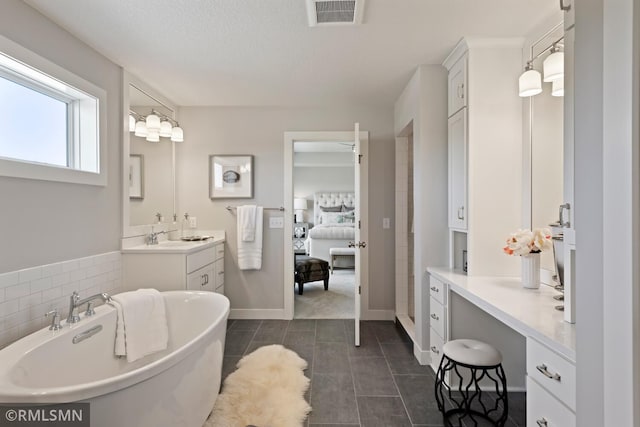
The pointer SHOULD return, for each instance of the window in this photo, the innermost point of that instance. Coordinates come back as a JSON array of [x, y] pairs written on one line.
[[50, 120]]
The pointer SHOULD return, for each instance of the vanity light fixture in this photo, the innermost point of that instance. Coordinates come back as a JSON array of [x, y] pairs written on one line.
[[166, 126], [530, 82]]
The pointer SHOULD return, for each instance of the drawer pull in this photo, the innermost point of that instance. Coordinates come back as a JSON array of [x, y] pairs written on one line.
[[542, 422], [434, 289], [220, 272], [434, 317], [435, 349], [543, 370]]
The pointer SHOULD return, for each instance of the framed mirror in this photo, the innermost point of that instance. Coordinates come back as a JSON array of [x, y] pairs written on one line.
[[148, 191]]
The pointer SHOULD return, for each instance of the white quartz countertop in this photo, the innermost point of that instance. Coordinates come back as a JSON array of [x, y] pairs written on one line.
[[529, 312], [175, 246]]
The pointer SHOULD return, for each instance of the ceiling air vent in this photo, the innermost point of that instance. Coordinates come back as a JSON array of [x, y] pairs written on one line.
[[334, 12]]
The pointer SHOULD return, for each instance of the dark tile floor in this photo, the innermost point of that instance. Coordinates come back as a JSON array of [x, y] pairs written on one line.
[[379, 384]]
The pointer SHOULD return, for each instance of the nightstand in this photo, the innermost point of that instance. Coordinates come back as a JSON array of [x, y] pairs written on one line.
[[300, 230]]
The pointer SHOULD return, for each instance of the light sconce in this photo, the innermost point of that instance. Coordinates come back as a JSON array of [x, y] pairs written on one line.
[[530, 81], [154, 126]]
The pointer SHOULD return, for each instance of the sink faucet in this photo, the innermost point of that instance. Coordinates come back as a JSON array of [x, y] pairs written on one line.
[[152, 238], [75, 302]]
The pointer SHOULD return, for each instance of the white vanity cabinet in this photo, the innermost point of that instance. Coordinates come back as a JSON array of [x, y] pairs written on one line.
[[457, 150], [457, 86], [438, 320], [198, 268], [551, 387]]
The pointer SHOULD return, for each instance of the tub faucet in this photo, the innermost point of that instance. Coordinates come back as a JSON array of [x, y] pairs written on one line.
[[75, 302]]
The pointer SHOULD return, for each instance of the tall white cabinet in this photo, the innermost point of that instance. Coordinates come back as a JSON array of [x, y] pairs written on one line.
[[485, 154]]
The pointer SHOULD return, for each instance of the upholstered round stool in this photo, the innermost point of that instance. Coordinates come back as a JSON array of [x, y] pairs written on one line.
[[464, 364]]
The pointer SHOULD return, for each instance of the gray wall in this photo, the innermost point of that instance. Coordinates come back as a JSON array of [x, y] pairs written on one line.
[[309, 180], [43, 222], [260, 131]]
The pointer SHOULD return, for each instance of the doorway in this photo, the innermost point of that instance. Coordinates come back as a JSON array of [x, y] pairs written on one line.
[[361, 260]]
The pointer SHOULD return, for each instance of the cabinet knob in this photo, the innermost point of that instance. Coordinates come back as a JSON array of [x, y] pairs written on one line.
[[434, 289], [434, 349], [461, 212], [564, 7], [542, 422], [434, 317], [461, 89], [544, 371]]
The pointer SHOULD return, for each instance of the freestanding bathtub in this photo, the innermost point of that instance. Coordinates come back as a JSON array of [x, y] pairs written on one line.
[[175, 387]]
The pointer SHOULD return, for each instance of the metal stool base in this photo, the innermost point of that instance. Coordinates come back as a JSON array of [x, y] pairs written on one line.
[[469, 392]]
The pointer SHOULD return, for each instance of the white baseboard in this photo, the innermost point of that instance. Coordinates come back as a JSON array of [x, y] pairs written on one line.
[[250, 313], [423, 357], [378, 315]]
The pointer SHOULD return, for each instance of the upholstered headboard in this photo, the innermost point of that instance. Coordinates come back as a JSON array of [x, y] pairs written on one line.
[[331, 198]]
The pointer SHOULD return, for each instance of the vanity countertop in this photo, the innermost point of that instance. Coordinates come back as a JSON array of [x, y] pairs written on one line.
[[175, 246], [530, 312]]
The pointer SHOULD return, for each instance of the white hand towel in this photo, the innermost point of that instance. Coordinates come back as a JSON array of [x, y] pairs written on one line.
[[247, 222], [250, 253], [142, 317]]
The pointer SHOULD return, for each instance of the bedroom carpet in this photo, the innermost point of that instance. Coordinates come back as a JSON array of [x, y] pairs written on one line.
[[336, 303]]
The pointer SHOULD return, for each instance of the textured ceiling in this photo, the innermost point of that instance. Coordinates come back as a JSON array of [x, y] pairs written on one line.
[[261, 52]]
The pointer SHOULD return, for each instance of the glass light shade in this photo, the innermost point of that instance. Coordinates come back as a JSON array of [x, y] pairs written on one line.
[[132, 123], [557, 87], [165, 129], [529, 83], [153, 122], [141, 129], [177, 135], [553, 67], [300, 204], [153, 136]]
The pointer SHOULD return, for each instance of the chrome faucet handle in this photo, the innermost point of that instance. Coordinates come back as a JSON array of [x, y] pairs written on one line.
[[73, 308], [90, 311], [55, 321]]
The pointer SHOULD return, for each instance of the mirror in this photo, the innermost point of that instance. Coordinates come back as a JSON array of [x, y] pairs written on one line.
[[149, 187], [546, 150]]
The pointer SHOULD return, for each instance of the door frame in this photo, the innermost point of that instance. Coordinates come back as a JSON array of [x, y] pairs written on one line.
[[289, 139]]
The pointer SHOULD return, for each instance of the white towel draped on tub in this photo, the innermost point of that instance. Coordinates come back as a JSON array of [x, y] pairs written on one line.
[[247, 222], [250, 252], [141, 327]]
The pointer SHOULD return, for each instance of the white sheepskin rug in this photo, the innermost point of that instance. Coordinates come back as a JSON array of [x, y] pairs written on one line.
[[267, 390]]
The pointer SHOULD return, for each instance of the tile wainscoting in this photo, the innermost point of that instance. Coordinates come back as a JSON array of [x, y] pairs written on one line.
[[26, 295]]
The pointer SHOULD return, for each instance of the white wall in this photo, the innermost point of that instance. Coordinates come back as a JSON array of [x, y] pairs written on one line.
[[309, 180], [259, 131], [424, 101], [44, 222]]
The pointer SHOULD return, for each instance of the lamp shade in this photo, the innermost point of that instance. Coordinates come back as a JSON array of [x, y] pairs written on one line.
[[141, 129], [177, 135], [529, 83], [300, 204], [153, 122], [165, 129], [553, 67], [557, 87], [153, 136], [132, 123]]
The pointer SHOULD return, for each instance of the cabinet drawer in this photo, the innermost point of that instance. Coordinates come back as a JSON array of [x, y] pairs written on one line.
[[544, 410], [219, 249], [457, 86], [219, 268], [201, 280], [200, 259], [435, 346], [438, 290], [437, 314], [552, 371]]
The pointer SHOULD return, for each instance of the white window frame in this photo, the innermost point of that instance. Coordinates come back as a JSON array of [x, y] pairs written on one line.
[[86, 120]]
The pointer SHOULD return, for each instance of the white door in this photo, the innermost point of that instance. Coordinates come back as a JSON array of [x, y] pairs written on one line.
[[357, 244]]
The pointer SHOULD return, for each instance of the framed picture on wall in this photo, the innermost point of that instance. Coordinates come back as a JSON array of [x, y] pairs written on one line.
[[136, 176], [230, 176]]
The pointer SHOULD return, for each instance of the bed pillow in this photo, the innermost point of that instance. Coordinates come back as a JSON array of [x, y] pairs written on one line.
[[346, 208], [331, 208], [328, 218]]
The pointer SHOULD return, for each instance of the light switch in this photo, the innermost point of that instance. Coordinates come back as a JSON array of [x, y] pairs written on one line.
[[386, 223], [276, 222], [193, 222]]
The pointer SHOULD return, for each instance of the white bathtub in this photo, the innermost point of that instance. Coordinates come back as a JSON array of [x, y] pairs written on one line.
[[176, 387]]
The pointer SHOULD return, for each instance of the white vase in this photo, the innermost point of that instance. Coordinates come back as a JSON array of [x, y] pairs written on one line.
[[531, 270]]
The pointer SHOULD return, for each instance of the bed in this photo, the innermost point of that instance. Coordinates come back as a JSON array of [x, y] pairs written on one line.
[[334, 221]]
